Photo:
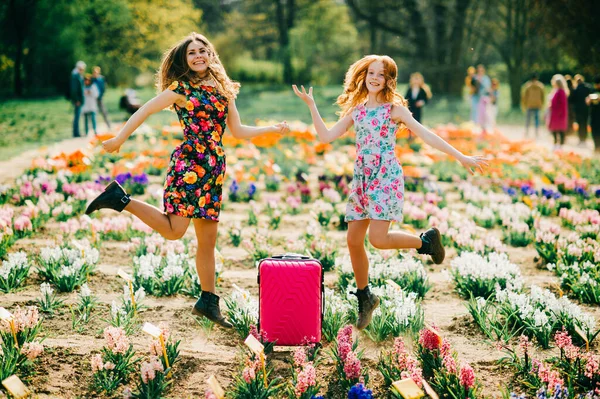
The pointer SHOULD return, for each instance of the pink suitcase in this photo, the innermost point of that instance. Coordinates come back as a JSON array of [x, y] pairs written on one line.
[[291, 299]]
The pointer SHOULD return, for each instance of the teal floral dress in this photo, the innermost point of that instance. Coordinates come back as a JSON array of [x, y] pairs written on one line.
[[377, 191], [194, 183]]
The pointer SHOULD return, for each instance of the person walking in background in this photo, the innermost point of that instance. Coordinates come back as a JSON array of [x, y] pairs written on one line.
[[593, 101], [485, 85], [90, 104], [100, 82], [581, 92], [493, 105], [571, 87], [77, 94], [533, 98], [558, 110], [473, 90], [417, 95]]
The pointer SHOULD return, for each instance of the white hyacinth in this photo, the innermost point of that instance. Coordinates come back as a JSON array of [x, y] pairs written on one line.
[[46, 289], [494, 266], [84, 291]]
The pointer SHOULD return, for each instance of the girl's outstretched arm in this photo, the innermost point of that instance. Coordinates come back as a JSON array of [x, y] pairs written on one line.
[[325, 135], [158, 103], [401, 114], [240, 131]]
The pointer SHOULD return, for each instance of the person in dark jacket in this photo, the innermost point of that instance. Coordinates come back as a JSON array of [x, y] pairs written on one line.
[[571, 87], [593, 101], [582, 90], [417, 95], [77, 94]]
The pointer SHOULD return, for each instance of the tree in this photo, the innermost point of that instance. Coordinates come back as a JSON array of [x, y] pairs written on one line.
[[323, 43]]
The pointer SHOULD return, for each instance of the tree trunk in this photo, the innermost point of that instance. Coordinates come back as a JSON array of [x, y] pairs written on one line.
[[284, 25], [457, 36]]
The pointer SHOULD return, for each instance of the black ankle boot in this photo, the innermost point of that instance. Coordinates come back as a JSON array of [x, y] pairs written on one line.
[[113, 197], [208, 306], [431, 244], [367, 303]]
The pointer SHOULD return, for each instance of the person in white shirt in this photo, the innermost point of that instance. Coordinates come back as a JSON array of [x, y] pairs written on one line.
[[90, 103]]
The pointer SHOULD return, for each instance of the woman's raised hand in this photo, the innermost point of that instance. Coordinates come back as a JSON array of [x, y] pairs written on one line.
[[307, 97], [112, 145]]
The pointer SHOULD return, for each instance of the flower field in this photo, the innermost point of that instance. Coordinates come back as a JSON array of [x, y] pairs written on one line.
[[513, 310]]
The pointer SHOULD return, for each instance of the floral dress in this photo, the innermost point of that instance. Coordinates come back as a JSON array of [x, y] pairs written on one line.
[[378, 184], [194, 183]]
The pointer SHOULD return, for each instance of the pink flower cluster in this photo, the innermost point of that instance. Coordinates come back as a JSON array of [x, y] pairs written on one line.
[[447, 359], [149, 369], [32, 350], [407, 363], [467, 376], [348, 358], [565, 344], [306, 378], [116, 340], [429, 339], [23, 319], [98, 365], [251, 369], [210, 394], [300, 356], [155, 346], [23, 223]]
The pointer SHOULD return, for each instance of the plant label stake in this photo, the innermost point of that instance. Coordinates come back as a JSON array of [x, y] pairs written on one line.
[[408, 389], [393, 284], [156, 332], [258, 349], [215, 387], [432, 394], [129, 280], [6, 315], [15, 387], [580, 332]]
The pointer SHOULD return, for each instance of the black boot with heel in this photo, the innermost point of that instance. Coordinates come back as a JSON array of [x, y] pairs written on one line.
[[113, 197], [431, 244], [208, 306], [367, 303]]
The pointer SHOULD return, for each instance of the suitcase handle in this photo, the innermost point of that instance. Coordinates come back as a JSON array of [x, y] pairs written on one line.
[[290, 256]]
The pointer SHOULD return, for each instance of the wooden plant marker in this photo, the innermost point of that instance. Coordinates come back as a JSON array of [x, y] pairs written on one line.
[[6, 315], [241, 291], [409, 228], [215, 387], [393, 284], [580, 332], [156, 332], [429, 390], [259, 350], [408, 389], [15, 387], [125, 276]]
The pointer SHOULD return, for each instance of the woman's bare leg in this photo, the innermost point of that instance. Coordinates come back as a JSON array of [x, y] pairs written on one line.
[[206, 234], [357, 231], [171, 227], [381, 238]]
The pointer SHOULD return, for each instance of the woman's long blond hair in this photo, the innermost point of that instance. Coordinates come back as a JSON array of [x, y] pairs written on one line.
[[561, 82], [174, 66], [355, 89], [422, 84]]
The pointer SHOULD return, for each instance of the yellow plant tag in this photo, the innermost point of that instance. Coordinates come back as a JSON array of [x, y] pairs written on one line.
[[408, 389], [580, 332], [124, 275], [214, 386], [409, 228], [429, 390], [15, 387], [5, 314], [393, 284], [152, 330], [254, 345]]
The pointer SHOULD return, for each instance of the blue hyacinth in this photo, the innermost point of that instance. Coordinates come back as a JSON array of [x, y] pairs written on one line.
[[510, 191], [106, 179], [527, 189], [140, 179], [251, 189], [123, 177], [234, 187], [359, 391]]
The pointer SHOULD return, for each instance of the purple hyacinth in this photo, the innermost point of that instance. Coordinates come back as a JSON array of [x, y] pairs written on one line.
[[251, 189], [103, 180], [234, 187]]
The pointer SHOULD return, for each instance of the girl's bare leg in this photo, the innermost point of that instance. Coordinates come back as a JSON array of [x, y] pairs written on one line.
[[206, 234], [381, 238], [357, 230], [171, 227]]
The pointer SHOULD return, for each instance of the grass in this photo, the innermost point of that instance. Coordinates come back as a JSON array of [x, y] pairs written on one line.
[[31, 123]]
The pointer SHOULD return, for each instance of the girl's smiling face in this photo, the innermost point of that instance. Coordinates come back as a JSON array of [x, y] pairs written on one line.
[[375, 79], [197, 57]]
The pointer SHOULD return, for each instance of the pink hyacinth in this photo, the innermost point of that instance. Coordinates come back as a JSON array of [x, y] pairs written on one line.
[[592, 365], [429, 339], [116, 340], [524, 344], [562, 339], [352, 366], [299, 357], [450, 363], [97, 363], [109, 366], [32, 350], [248, 374], [149, 369], [306, 378], [22, 223], [467, 376], [209, 395]]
